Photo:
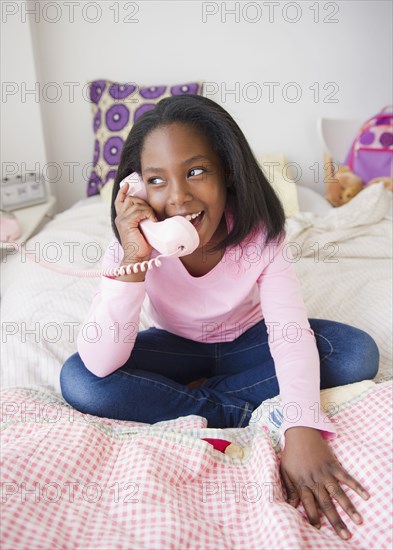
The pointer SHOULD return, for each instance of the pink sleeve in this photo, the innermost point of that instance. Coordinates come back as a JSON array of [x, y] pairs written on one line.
[[292, 342], [107, 336]]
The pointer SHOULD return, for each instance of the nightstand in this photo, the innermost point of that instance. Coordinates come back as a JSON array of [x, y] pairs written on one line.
[[31, 219]]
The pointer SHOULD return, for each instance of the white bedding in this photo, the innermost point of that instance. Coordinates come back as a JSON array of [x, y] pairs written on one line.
[[350, 280], [42, 310]]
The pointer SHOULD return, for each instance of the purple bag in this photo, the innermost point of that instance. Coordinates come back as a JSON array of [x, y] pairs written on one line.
[[371, 153]]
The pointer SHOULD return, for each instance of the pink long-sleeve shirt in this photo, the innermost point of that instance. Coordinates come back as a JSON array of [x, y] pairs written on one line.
[[250, 283]]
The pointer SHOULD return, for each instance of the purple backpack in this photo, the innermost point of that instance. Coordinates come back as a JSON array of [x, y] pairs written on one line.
[[371, 153]]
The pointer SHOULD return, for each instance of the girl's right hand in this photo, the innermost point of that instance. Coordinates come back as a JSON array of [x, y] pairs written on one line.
[[130, 211]]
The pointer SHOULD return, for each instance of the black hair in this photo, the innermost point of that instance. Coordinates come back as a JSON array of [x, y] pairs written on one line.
[[254, 203]]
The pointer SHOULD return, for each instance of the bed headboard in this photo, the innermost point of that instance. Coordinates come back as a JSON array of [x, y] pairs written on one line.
[[336, 136]]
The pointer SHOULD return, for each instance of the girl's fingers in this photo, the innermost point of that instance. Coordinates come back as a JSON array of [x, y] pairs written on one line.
[[335, 491], [310, 506], [131, 210], [292, 494], [120, 197], [124, 201], [123, 191], [343, 476], [329, 510]]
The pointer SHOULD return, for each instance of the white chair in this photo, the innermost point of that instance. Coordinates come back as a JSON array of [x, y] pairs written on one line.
[[336, 136]]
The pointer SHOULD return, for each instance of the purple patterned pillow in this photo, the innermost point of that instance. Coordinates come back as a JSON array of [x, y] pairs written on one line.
[[115, 108]]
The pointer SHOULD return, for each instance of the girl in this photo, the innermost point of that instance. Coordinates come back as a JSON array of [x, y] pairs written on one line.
[[230, 328]]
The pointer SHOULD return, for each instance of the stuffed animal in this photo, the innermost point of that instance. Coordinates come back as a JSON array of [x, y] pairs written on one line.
[[345, 185], [228, 448]]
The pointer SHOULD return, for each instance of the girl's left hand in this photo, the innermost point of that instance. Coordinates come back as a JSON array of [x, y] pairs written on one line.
[[312, 474]]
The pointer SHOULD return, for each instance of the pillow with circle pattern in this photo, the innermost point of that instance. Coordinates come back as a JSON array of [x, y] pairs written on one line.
[[115, 108]]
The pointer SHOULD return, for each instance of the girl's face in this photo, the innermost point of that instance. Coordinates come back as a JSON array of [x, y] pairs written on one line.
[[183, 176]]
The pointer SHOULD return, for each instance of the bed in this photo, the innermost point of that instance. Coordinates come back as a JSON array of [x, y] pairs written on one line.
[[71, 480]]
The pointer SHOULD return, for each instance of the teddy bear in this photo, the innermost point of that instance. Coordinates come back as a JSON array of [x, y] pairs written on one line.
[[344, 185]]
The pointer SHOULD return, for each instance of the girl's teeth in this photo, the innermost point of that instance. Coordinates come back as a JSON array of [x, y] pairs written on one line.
[[192, 216]]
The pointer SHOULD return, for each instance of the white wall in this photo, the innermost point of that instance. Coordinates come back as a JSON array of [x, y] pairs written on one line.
[[22, 139], [171, 43]]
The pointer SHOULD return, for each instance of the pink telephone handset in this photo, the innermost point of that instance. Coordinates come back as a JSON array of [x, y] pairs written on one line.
[[174, 236]]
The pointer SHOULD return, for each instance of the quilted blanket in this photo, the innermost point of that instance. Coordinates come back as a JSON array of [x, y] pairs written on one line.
[[70, 480]]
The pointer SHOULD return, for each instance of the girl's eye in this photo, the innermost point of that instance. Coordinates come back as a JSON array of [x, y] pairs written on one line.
[[194, 172], [153, 180], [199, 170]]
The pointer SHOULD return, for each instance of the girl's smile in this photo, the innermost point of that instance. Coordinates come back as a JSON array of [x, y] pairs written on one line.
[[184, 176]]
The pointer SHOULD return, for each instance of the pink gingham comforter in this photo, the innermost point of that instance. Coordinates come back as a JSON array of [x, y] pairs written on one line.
[[71, 480]]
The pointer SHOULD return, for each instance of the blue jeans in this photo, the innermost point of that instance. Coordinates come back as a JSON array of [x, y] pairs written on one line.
[[151, 385]]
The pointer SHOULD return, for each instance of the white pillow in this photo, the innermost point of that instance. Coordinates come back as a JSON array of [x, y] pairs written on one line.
[[106, 192], [273, 167], [311, 201]]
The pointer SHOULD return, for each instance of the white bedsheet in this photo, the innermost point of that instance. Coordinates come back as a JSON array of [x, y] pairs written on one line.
[[42, 310], [345, 266]]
